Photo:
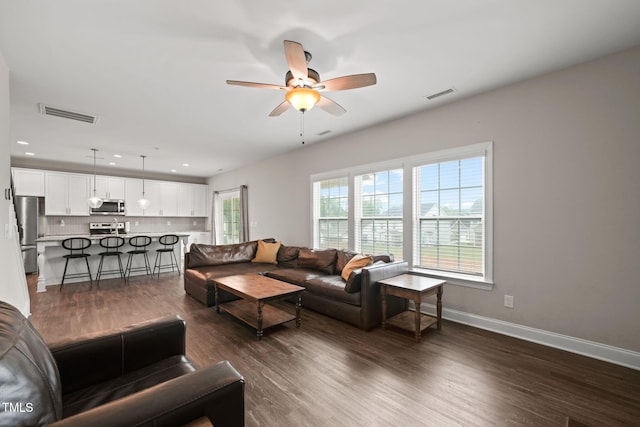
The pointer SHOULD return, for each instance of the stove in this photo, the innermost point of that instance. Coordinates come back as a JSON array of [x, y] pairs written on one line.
[[106, 228]]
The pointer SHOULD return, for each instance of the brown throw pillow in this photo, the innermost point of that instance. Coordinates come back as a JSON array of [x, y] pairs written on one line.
[[267, 252], [354, 263], [323, 260]]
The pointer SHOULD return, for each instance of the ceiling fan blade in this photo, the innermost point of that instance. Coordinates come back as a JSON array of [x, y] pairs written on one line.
[[331, 106], [296, 59], [257, 85], [284, 106], [348, 82]]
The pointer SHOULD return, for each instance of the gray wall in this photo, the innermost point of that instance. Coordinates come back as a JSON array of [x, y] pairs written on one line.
[[566, 202]]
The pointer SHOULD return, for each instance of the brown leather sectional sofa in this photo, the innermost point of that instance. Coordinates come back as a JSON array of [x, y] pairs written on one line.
[[356, 300]]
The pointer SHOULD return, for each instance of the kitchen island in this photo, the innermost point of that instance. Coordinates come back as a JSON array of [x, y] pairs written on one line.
[[51, 256]]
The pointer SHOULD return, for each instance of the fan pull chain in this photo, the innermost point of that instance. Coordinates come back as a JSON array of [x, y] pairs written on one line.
[[302, 127]]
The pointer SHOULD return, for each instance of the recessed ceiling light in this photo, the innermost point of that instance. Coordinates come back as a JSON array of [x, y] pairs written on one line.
[[29, 154], [117, 156], [112, 163], [23, 143], [173, 170], [185, 164]]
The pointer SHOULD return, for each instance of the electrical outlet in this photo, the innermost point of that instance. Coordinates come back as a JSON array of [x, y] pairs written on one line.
[[195, 223], [137, 223], [168, 222], [508, 301]]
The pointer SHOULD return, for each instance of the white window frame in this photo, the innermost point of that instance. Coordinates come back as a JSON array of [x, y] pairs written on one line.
[[408, 164]]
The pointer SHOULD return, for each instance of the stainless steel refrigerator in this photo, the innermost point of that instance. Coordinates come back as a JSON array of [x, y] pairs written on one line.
[[28, 214]]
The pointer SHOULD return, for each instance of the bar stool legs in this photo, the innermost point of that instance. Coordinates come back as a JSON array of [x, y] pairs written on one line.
[[139, 245], [111, 245], [76, 247], [168, 241]]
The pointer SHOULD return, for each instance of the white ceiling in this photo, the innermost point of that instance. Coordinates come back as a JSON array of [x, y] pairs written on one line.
[[154, 71]]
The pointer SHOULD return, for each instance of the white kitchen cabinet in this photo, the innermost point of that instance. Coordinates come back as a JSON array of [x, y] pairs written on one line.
[[109, 187], [28, 182], [192, 200], [133, 193], [163, 198], [66, 194]]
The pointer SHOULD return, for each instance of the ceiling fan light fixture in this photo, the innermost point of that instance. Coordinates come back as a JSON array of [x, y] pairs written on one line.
[[302, 98]]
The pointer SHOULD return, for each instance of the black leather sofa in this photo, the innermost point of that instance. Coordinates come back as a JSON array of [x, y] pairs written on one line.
[[356, 301], [137, 376]]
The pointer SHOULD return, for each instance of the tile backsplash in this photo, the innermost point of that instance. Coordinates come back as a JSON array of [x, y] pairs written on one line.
[[64, 225]]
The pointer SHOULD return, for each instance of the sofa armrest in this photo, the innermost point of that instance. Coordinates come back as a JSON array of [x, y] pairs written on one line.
[[371, 300], [95, 358], [216, 392]]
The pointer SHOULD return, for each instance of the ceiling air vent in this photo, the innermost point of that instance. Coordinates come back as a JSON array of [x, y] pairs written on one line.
[[324, 132], [48, 110], [439, 94]]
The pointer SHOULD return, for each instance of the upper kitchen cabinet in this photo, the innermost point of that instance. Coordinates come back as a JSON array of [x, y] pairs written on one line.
[[192, 200], [110, 187], [133, 193], [163, 198], [66, 194], [28, 182]]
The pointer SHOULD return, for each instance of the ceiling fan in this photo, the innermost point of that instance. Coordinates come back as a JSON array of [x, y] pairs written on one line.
[[302, 84]]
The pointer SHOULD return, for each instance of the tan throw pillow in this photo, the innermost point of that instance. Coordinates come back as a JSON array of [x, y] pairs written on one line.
[[354, 263], [267, 252]]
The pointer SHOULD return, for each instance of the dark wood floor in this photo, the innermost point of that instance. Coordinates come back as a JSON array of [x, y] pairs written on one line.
[[328, 373]]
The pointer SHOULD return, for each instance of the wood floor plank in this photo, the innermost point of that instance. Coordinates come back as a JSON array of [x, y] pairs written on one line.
[[328, 373]]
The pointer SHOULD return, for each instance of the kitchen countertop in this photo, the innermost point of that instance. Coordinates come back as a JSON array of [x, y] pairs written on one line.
[[96, 237]]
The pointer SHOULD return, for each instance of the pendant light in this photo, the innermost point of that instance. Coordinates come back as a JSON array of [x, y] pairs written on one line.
[[143, 202], [95, 201]]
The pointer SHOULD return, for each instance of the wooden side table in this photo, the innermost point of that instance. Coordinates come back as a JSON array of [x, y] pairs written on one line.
[[412, 287]]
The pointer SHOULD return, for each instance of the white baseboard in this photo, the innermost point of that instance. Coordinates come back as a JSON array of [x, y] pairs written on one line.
[[607, 353]]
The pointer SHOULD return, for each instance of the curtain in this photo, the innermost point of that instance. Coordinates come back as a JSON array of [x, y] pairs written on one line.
[[244, 214]]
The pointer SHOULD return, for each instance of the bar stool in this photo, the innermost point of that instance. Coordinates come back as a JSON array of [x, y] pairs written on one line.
[[76, 247], [167, 241], [139, 245], [111, 245]]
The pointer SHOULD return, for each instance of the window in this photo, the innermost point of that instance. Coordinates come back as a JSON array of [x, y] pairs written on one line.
[[449, 223], [331, 210], [228, 217], [379, 212], [433, 210]]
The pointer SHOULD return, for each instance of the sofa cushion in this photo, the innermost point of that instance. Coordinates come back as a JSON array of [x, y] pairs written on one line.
[[29, 376], [201, 255], [267, 252], [317, 259], [331, 287], [122, 386], [288, 256], [297, 276], [358, 261], [208, 273]]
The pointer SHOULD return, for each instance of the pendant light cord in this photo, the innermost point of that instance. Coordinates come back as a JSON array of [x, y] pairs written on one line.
[[302, 126]]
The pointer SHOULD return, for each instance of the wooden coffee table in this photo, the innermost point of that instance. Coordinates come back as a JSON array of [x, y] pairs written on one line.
[[255, 292], [412, 287]]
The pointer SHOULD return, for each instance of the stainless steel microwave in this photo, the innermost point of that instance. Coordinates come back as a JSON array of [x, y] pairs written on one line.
[[109, 207]]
